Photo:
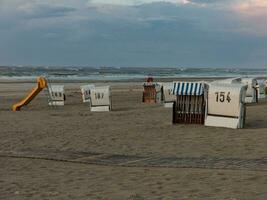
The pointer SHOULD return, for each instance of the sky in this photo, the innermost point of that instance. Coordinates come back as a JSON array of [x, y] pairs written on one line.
[[134, 33]]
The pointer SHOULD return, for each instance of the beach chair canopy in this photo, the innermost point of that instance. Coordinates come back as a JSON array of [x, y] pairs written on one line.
[[188, 88], [149, 84], [157, 85], [236, 80], [249, 81]]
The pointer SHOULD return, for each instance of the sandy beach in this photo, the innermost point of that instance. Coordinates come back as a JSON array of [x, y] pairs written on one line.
[[131, 129]]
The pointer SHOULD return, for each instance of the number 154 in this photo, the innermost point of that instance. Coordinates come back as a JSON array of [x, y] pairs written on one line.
[[222, 96]]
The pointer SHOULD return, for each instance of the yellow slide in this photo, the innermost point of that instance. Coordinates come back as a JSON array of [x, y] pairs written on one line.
[[41, 84]]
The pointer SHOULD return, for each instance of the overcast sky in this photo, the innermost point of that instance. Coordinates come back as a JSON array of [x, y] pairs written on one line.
[[125, 33]]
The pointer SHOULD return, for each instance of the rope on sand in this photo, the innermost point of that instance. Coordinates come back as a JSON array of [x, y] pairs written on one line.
[[113, 160]]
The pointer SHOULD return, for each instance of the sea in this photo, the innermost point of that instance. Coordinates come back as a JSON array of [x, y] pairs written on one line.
[[123, 73]]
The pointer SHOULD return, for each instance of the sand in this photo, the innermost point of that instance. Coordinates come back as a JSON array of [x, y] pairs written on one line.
[[132, 128]]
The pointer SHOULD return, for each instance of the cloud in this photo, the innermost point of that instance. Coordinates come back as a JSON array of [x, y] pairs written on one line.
[[135, 2], [45, 11], [252, 7], [128, 33], [253, 14]]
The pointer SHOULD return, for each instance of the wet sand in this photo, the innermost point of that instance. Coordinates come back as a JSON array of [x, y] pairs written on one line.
[[132, 128]]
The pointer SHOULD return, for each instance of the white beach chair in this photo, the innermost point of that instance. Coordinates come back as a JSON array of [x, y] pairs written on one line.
[[159, 95], [251, 94], [86, 92], [101, 99], [261, 89], [168, 96], [226, 105], [57, 95]]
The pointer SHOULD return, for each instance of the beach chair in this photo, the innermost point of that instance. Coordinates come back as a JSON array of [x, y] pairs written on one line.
[[159, 94], [225, 105], [56, 95], [251, 94], [168, 96], [152, 92], [149, 93], [86, 92], [100, 99], [261, 89], [189, 106]]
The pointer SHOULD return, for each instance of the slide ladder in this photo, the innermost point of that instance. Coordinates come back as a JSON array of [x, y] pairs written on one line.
[[41, 84]]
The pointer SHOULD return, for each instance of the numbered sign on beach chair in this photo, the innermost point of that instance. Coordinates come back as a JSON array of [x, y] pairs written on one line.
[[261, 89], [226, 105], [101, 99], [252, 93], [168, 96], [56, 95], [86, 92], [189, 106]]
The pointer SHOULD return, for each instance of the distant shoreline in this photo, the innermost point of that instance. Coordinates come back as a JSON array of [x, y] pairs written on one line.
[[115, 74], [69, 80]]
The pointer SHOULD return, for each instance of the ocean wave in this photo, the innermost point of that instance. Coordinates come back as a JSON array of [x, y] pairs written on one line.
[[115, 73]]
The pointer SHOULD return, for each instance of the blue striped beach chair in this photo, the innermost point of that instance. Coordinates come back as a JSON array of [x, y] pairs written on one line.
[[189, 107]]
